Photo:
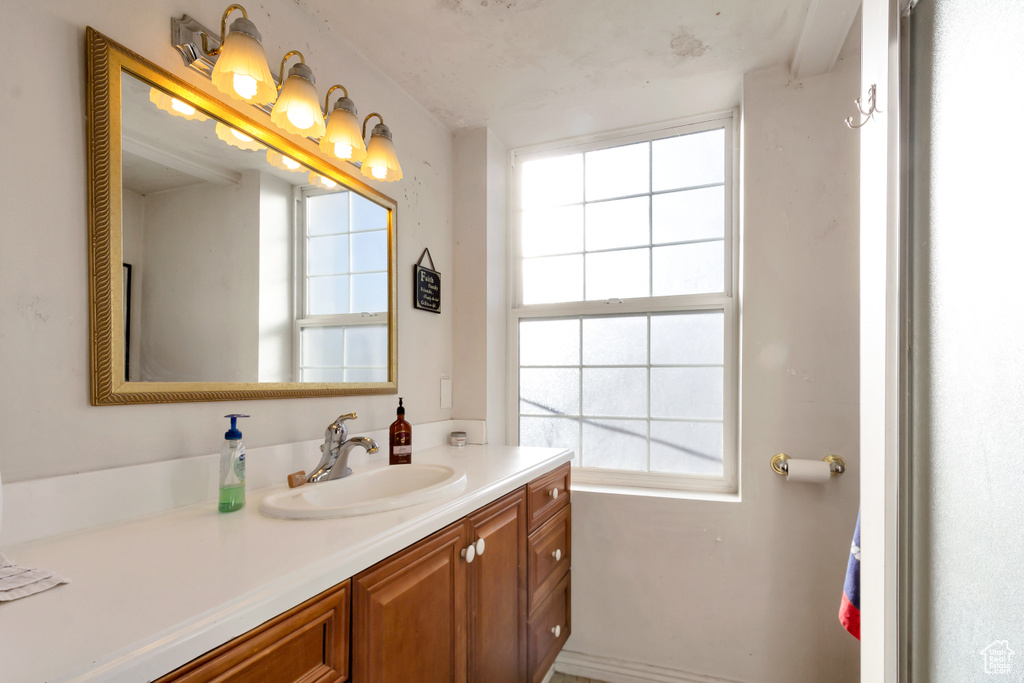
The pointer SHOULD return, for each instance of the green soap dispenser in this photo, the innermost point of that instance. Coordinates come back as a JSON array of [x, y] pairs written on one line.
[[232, 469]]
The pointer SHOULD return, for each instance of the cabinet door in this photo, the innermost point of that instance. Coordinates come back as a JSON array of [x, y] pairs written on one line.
[[497, 592], [408, 614], [306, 643]]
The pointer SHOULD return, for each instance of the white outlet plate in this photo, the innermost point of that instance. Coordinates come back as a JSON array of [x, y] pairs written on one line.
[[446, 392]]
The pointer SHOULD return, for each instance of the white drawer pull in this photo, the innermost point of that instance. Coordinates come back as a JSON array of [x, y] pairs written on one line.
[[557, 555], [480, 545], [469, 553], [554, 494], [556, 630]]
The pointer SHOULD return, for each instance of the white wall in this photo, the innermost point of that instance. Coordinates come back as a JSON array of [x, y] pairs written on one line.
[[480, 302], [200, 284], [133, 225], [277, 258], [44, 311], [750, 591]]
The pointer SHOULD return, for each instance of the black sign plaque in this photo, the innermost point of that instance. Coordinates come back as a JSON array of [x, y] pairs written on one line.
[[426, 285]]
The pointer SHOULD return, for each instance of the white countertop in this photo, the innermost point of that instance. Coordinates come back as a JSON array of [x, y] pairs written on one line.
[[152, 593]]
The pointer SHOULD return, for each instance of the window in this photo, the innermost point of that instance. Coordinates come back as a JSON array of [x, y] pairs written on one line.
[[342, 330], [624, 317]]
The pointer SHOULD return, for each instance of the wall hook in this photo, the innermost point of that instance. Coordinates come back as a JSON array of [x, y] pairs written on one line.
[[872, 108]]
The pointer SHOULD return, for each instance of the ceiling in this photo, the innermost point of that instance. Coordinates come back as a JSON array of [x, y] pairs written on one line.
[[537, 70]]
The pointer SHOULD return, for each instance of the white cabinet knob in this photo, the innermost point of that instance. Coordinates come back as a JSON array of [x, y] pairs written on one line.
[[556, 630], [469, 553], [554, 494], [480, 545], [557, 555]]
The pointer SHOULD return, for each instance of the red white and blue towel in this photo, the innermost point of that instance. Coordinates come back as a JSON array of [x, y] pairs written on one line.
[[849, 609]]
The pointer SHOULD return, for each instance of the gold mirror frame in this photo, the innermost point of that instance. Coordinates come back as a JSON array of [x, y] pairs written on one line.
[[106, 61]]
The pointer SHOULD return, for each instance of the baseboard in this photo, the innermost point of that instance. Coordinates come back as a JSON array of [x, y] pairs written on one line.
[[614, 670]]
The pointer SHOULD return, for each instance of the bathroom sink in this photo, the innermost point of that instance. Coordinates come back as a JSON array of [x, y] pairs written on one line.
[[364, 493]]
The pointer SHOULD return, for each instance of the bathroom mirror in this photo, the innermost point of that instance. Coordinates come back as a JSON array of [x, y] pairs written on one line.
[[227, 260]]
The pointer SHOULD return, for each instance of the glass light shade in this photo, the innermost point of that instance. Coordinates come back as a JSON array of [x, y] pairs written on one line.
[[297, 109], [241, 70], [343, 138], [174, 106], [381, 161], [323, 182], [237, 138], [278, 160]]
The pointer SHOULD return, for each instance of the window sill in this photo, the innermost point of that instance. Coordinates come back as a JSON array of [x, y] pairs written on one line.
[[711, 496]]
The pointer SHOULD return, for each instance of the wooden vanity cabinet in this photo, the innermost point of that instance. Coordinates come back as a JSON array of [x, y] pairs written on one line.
[[308, 643], [439, 611], [409, 613], [550, 560], [497, 583], [484, 600]]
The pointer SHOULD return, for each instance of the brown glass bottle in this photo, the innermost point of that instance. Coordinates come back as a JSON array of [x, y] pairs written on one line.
[[400, 447]]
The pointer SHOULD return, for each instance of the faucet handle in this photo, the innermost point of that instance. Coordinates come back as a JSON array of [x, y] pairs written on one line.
[[338, 430]]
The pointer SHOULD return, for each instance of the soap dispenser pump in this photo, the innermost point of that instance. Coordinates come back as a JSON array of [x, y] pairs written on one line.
[[232, 469]]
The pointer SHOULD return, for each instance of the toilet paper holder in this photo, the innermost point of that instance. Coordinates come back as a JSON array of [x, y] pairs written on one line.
[[836, 464]]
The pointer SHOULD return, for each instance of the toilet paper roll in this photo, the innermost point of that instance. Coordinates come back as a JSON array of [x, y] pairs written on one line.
[[809, 471]]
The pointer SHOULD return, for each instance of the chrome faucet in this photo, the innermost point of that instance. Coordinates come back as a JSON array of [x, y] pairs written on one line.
[[337, 446]]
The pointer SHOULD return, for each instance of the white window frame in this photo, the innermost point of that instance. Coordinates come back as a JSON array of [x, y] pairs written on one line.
[[302, 319], [615, 481]]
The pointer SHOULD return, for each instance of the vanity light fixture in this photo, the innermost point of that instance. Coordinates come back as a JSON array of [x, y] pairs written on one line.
[[285, 163], [343, 138], [237, 138], [321, 181], [381, 160], [174, 106], [297, 109], [241, 70]]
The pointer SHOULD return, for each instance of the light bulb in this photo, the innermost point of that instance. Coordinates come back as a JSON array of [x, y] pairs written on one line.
[[379, 172], [179, 106], [343, 151], [290, 163], [240, 135], [301, 117], [245, 86]]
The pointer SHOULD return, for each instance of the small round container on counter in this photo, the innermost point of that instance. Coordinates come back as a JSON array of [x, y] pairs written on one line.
[[457, 439]]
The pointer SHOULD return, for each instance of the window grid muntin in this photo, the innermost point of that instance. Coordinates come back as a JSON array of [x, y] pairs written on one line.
[[344, 321], [582, 418], [650, 194], [723, 300]]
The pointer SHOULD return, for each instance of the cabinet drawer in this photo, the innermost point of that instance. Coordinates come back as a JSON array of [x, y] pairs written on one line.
[[550, 555], [307, 643], [549, 629], [546, 495]]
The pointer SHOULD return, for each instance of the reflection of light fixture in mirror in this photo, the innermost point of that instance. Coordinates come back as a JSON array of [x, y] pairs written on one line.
[[174, 106], [237, 138], [343, 138], [241, 70], [297, 109], [381, 160], [285, 163], [321, 181]]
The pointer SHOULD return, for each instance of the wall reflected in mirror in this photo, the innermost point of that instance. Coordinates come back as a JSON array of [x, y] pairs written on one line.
[[246, 265]]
